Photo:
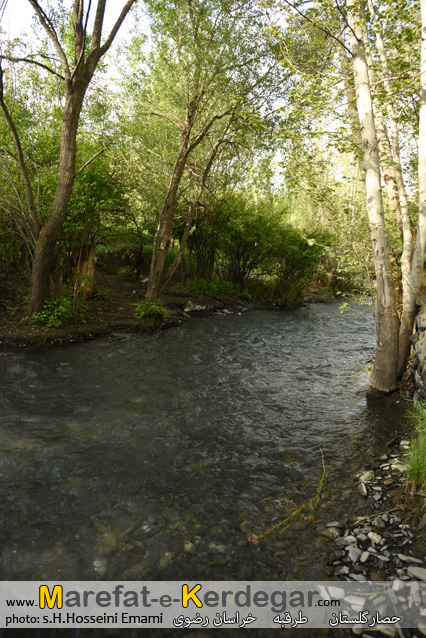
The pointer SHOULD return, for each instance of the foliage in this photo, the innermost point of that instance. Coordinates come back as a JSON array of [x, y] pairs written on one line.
[[155, 309], [416, 460], [101, 293], [128, 273], [210, 288], [70, 305]]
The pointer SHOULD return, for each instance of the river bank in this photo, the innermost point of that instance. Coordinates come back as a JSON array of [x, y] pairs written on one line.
[[114, 313]]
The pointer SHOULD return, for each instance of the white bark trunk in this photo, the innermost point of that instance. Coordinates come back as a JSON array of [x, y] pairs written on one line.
[[383, 376]]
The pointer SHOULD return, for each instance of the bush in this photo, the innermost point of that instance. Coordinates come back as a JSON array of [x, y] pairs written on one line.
[[154, 309], [55, 312], [101, 293], [210, 288], [58, 311], [128, 273], [416, 462]]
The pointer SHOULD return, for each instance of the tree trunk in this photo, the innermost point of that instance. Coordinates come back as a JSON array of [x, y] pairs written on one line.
[[83, 275], [77, 74], [44, 254], [164, 230], [419, 249], [165, 224], [384, 373]]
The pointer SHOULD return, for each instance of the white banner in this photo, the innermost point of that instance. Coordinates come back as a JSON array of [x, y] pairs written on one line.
[[215, 604]]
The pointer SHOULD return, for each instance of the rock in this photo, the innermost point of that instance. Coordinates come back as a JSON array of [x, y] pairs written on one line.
[[218, 548], [192, 307], [344, 541], [354, 553], [99, 566], [422, 522], [366, 476], [404, 445], [417, 572], [331, 532], [364, 557], [362, 489], [409, 559], [166, 559], [379, 522], [375, 538], [110, 540], [335, 524], [188, 546], [341, 571]]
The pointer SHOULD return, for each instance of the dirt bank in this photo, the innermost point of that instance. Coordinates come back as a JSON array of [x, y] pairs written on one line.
[[116, 313]]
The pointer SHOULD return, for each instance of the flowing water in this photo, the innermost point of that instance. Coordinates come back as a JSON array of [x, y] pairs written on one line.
[[158, 456]]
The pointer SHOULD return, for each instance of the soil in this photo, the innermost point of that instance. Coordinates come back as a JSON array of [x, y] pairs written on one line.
[[116, 313]]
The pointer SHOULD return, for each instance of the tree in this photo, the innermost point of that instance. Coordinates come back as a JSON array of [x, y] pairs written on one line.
[[383, 88], [220, 74], [77, 68]]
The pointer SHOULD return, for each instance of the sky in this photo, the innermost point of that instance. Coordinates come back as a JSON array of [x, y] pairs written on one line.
[[18, 15]]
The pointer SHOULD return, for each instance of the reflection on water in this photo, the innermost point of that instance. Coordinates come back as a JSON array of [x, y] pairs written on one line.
[[158, 457]]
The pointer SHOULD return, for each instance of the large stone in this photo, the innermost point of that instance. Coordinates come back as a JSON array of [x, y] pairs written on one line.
[[354, 553], [417, 572]]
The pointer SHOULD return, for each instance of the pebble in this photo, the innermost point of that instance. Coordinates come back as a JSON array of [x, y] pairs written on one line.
[[354, 553], [417, 572], [366, 477], [362, 489], [344, 541], [376, 547], [409, 559], [374, 537]]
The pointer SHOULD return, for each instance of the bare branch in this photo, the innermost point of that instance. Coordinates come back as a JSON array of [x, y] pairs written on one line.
[[30, 61], [166, 117], [51, 32], [80, 170], [21, 159], [325, 30], [117, 25], [97, 27]]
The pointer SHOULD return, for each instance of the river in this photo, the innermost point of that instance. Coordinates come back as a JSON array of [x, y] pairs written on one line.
[[158, 457]]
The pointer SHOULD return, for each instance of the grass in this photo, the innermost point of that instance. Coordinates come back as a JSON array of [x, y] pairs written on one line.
[[416, 460], [154, 309]]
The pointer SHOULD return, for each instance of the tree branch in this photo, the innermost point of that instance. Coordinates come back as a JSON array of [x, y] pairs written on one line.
[[50, 30], [80, 170], [21, 159], [117, 25], [166, 117], [40, 64]]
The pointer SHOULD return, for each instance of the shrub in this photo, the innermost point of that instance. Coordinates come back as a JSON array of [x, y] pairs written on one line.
[[128, 273], [101, 293], [210, 288], [154, 309], [416, 461], [57, 311]]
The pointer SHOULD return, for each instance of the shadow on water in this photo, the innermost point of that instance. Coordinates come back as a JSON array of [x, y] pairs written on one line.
[[157, 458]]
